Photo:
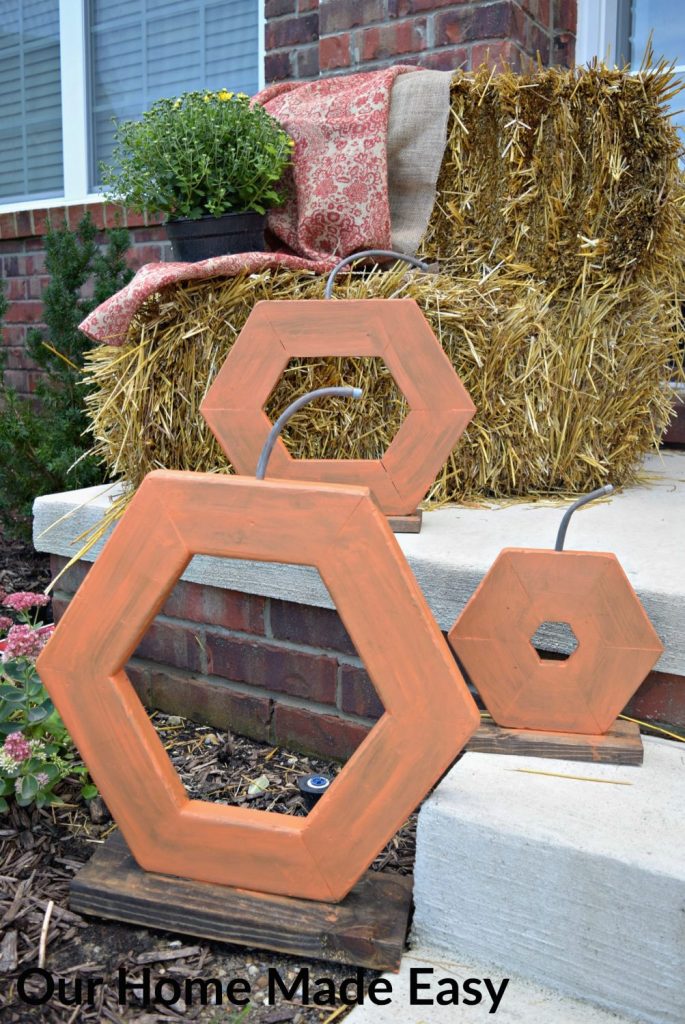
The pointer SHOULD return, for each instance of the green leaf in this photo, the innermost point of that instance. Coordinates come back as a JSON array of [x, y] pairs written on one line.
[[89, 791], [4, 806], [6, 787], [34, 688], [28, 787], [14, 670], [38, 714], [12, 694]]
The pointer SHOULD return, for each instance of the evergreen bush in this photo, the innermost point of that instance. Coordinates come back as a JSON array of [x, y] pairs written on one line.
[[43, 442]]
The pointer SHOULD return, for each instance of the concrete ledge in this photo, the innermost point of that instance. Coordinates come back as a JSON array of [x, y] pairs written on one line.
[[578, 885], [644, 526], [425, 974]]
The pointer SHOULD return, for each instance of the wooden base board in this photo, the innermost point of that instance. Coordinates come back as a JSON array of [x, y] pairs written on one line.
[[406, 524], [368, 929], [621, 745]]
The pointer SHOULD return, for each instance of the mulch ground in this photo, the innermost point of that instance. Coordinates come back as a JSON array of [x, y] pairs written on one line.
[[40, 851]]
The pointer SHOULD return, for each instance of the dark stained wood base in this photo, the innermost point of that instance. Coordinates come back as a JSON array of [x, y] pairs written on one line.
[[621, 745], [368, 929], [406, 524]]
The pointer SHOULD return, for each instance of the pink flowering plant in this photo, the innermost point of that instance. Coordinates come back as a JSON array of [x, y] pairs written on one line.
[[36, 752]]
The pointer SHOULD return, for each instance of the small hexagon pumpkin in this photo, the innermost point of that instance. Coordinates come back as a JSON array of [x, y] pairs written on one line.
[[615, 643], [429, 714], [392, 329]]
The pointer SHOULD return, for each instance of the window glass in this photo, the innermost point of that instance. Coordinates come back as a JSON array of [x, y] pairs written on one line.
[[142, 50], [31, 106]]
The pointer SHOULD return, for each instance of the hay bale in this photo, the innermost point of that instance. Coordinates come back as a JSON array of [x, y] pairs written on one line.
[[560, 234]]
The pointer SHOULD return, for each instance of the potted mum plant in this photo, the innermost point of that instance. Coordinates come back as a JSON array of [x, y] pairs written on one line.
[[209, 161]]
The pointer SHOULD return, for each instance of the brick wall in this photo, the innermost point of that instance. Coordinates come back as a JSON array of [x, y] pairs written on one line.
[[273, 670], [278, 671], [22, 269], [305, 38]]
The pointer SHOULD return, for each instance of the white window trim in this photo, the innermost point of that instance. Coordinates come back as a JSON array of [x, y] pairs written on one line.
[[597, 31], [73, 64]]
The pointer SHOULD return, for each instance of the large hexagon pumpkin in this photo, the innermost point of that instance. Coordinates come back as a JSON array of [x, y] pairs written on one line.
[[429, 714], [588, 592], [392, 329]]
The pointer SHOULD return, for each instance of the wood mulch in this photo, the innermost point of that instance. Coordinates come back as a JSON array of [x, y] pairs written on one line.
[[41, 851]]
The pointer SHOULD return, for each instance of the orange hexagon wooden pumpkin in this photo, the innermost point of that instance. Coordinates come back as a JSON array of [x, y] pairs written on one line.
[[429, 714], [589, 592], [392, 329]]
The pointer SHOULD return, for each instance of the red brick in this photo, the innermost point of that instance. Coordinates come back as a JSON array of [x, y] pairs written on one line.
[[290, 31], [307, 5], [17, 288], [357, 695], [8, 227], [447, 60], [216, 607], [315, 627], [537, 41], [140, 680], [661, 698], [34, 244], [18, 380], [308, 61], [565, 15], [59, 606], [36, 286], [497, 54], [142, 254], [324, 735], [172, 645], [334, 52], [210, 703], [401, 8], [339, 15], [15, 335], [277, 67], [390, 40], [24, 313], [98, 212], [75, 215], [131, 219], [538, 9], [18, 359], [24, 225], [74, 576], [465, 26], [34, 264], [114, 215], [564, 50], [12, 246], [149, 234], [276, 8], [273, 668]]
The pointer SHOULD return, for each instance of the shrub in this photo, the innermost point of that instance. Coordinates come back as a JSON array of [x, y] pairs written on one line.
[[36, 752], [203, 153], [42, 443]]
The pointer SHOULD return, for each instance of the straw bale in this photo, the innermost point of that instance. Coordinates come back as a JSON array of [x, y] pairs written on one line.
[[559, 233]]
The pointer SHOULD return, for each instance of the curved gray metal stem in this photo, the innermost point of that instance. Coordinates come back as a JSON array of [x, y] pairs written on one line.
[[599, 493], [294, 407], [371, 252]]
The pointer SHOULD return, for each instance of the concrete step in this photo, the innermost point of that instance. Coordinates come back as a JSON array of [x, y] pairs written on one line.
[[576, 885], [425, 975]]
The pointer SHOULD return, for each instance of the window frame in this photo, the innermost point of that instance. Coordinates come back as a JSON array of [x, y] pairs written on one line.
[[603, 29], [75, 122]]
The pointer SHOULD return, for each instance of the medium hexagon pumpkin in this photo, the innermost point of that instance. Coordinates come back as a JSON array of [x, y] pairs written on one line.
[[429, 714], [392, 329], [616, 645]]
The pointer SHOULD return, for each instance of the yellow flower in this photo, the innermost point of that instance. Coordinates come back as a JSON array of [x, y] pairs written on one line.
[[224, 95], [207, 97], [291, 143], [243, 96], [177, 103]]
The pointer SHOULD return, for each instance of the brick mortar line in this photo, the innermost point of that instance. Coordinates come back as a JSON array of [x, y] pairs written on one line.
[[248, 690]]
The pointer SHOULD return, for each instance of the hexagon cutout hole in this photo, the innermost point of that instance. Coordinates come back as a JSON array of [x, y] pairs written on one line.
[[336, 428], [235, 687], [554, 641]]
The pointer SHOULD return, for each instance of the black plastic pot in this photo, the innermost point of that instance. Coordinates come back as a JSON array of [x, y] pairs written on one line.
[[194, 240]]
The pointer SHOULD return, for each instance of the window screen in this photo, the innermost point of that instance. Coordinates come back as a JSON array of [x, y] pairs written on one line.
[[31, 100], [141, 50]]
